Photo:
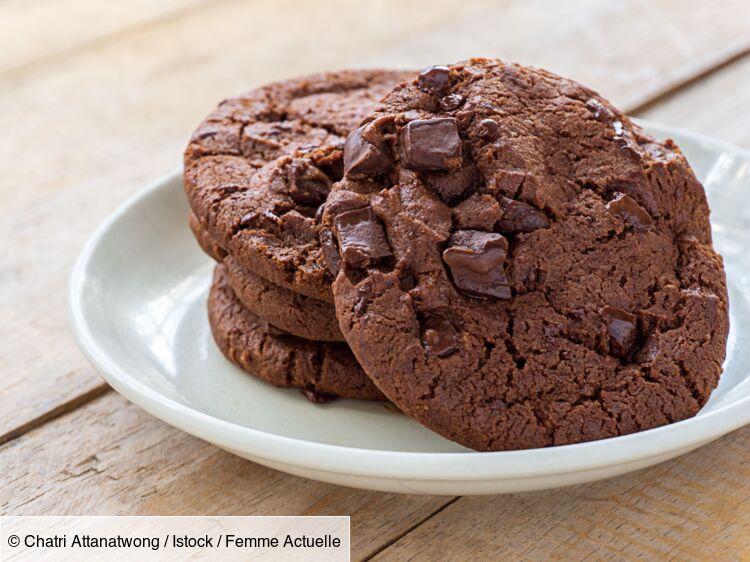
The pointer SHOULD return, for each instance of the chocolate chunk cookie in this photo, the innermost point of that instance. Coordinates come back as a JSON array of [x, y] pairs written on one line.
[[322, 370], [258, 168], [301, 316], [520, 265], [286, 310]]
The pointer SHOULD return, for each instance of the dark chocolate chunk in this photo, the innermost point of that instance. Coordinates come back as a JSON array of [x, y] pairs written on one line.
[[309, 185], [625, 146], [627, 210], [599, 110], [434, 80], [520, 217], [362, 158], [622, 329], [407, 282], [621, 141], [319, 213], [476, 261], [451, 102], [317, 397], [361, 237], [330, 251], [256, 219], [488, 129], [439, 336], [431, 144]]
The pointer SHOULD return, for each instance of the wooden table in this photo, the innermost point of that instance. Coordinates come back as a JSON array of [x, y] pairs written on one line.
[[98, 98]]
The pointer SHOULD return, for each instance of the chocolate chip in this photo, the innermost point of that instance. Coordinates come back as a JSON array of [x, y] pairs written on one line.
[[264, 219], [625, 146], [476, 261], [362, 158], [520, 217], [439, 336], [330, 251], [434, 80], [226, 190], [627, 210], [309, 185], [488, 129], [361, 237], [317, 397], [599, 110], [407, 282], [431, 144], [451, 102], [622, 329]]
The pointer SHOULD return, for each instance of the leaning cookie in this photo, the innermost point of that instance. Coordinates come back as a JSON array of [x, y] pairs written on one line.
[[520, 265], [260, 165], [286, 310], [323, 370], [301, 316]]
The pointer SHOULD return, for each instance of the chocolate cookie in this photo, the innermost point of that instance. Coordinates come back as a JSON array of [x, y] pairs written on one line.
[[301, 316], [260, 165], [522, 266], [204, 239], [286, 310], [322, 370]]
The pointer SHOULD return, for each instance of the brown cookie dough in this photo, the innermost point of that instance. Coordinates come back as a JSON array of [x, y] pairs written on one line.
[[260, 165], [522, 266], [301, 316], [321, 369], [204, 239], [292, 312]]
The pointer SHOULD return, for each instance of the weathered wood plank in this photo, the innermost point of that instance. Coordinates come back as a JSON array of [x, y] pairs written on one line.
[[716, 106], [110, 457], [40, 32], [691, 508]]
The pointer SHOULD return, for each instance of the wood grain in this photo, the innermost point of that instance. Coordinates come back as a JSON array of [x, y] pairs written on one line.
[[34, 36], [691, 508], [94, 126], [112, 458], [716, 106]]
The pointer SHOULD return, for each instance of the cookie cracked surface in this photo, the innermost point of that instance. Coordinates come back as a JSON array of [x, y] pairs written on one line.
[[258, 168], [519, 265]]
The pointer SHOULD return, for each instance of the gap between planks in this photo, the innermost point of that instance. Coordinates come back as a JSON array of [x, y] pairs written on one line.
[[722, 61], [393, 540], [57, 412]]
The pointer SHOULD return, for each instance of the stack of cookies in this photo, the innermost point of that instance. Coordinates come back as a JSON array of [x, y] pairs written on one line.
[[497, 250]]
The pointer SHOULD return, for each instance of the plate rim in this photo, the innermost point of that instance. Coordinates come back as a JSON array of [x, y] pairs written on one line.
[[387, 464]]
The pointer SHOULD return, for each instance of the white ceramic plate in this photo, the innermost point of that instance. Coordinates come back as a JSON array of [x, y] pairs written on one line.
[[137, 301]]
